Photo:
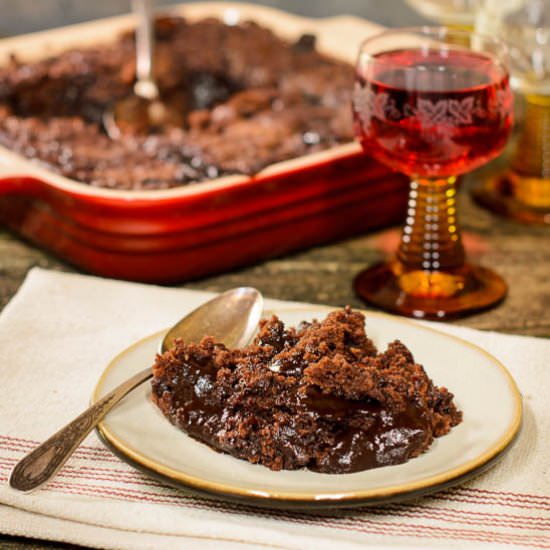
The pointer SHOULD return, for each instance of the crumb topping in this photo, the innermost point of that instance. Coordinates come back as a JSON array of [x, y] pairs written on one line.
[[318, 396]]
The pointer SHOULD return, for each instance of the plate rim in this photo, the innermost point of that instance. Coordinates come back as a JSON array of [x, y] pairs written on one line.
[[432, 483]]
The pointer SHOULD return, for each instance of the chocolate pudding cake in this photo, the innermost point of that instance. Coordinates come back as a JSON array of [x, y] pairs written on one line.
[[249, 99], [319, 396]]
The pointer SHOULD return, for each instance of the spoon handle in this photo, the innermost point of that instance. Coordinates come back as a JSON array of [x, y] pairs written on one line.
[[43, 463], [145, 50]]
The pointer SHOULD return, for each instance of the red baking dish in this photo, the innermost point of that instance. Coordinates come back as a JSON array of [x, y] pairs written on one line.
[[177, 234]]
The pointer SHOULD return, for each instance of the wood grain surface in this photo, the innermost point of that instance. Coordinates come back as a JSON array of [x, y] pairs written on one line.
[[521, 254]]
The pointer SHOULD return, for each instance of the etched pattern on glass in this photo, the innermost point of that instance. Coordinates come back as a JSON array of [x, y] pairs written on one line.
[[440, 116]]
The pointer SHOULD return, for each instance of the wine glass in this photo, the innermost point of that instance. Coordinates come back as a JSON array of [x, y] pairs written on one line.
[[433, 103], [522, 192]]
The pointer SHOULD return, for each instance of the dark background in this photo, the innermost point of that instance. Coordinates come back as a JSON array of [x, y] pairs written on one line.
[[21, 16]]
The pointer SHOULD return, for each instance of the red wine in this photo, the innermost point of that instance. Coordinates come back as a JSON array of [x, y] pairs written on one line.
[[433, 112]]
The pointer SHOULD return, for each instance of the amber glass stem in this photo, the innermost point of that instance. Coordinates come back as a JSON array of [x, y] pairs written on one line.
[[530, 175], [431, 238]]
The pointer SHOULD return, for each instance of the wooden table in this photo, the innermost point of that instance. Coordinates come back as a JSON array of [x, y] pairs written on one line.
[[520, 253]]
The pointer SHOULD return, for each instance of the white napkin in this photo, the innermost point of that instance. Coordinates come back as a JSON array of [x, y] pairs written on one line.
[[56, 337]]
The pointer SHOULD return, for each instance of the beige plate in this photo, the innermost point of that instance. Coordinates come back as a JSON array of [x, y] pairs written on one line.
[[483, 389]]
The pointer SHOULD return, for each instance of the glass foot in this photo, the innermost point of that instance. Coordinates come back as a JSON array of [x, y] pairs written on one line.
[[497, 196], [430, 295]]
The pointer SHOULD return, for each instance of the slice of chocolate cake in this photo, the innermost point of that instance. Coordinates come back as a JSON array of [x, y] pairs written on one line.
[[319, 396]]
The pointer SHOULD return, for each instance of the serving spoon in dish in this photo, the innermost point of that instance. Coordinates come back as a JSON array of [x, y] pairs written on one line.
[[231, 318], [144, 108]]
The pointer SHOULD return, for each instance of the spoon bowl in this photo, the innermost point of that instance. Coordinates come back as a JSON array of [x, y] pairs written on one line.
[[231, 318], [136, 114], [144, 109]]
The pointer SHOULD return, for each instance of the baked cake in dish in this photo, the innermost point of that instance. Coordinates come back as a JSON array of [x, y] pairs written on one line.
[[319, 396], [251, 99]]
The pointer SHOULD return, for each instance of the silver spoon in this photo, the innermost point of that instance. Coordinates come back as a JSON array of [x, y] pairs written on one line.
[[231, 318], [144, 108]]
